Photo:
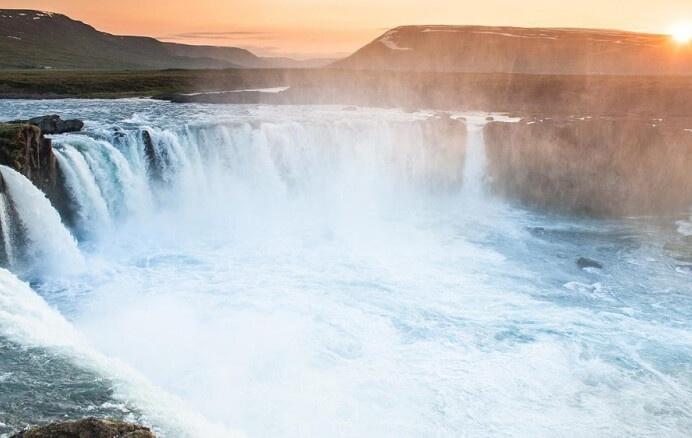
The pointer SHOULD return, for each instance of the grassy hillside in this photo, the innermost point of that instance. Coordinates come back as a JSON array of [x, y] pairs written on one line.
[[42, 40], [32, 39]]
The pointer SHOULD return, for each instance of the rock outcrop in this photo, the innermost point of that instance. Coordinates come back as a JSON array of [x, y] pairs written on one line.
[[88, 428], [24, 148], [52, 124], [597, 166], [153, 166]]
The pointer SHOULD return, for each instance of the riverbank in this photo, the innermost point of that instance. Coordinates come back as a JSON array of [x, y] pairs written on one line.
[[655, 96]]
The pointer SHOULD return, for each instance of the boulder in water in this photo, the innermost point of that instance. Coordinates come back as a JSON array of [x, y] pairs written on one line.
[[585, 262], [53, 124], [88, 428]]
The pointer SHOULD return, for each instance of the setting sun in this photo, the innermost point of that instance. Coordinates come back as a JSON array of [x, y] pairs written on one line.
[[682, 33]]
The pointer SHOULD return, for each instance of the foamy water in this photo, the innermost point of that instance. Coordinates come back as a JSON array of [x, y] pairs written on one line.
[[309, 271]]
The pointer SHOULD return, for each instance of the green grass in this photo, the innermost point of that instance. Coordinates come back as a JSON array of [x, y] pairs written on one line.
[[127, 83], [648, 96]]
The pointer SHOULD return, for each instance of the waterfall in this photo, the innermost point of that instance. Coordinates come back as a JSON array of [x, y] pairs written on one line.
[[207, 167], [7, 230], [51, 249], [92, 211], [202, 172], [475, 161], [111, 178]]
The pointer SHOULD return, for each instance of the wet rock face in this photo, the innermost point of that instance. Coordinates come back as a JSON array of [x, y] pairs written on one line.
[[53, 124], [153, 165], [88, 428], [24, 148], [585, 262], [605, 167]]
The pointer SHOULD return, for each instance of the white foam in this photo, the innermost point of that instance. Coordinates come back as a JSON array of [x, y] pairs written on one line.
[[26, 318], [92, 211], [684, 227], [51, 248]]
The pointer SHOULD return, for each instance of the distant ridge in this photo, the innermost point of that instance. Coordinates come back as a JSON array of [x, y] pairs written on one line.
[[31, 39], [484, 49]]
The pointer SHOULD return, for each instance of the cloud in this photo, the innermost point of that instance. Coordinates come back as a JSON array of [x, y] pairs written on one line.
[[230, 35]]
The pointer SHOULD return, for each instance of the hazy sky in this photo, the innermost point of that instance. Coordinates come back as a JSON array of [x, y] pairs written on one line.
[[332, 27]]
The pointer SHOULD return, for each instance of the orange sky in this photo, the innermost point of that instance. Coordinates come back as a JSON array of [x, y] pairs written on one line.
[[310, 28]]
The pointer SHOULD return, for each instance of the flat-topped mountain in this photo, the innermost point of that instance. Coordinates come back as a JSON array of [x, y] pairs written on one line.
[[35, 39], [481, 49]]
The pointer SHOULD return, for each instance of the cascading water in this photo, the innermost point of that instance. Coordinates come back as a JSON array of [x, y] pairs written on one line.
[[474, 167], [204, 167], [8, 234], [101, 179], [26, 318], [51, 249], [311, 271], [91, 207]]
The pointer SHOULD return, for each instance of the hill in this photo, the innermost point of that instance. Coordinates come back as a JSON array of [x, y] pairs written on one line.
[[481, 49], [43, 40]]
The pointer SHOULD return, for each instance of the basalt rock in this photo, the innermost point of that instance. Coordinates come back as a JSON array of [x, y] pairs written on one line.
[[24, 148], [53, 124], [585, 262], [88, 428], [153, 159]]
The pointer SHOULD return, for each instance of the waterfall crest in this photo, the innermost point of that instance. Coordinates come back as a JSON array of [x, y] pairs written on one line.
[[209, 168]]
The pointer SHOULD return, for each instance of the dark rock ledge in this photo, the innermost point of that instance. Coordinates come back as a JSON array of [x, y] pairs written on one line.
[[24, 148], [88, 428], [52, 124]]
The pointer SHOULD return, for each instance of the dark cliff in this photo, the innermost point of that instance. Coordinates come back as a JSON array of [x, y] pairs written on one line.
[[594, 166], [24, 148]]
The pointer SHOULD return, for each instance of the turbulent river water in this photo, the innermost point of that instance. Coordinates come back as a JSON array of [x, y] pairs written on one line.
[[316, 271]]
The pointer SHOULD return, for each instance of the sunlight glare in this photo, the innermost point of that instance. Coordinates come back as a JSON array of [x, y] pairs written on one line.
[[682, 33]]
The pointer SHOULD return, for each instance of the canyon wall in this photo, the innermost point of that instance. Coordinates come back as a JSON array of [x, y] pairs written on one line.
[[595, 166]]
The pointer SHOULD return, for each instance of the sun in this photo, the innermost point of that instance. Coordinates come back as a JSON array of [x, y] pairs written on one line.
[[682, 33]]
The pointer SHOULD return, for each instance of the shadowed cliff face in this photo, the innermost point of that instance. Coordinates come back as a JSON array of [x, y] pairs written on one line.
[[24, 148], [602, 167]]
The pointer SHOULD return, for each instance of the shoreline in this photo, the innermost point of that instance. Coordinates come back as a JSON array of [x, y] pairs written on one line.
[[563, 95]]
